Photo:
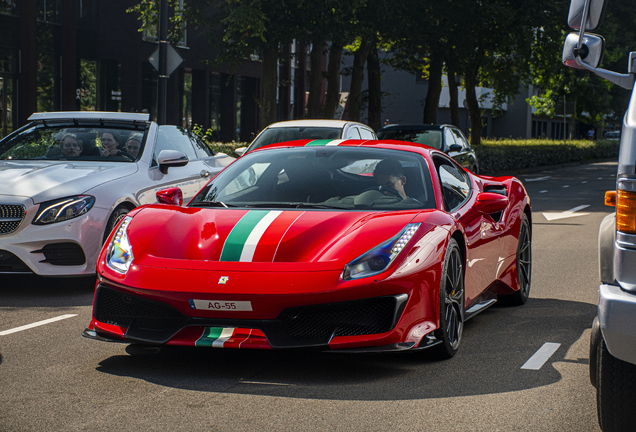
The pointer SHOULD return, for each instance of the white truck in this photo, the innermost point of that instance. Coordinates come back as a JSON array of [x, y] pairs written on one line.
[[613, 340]]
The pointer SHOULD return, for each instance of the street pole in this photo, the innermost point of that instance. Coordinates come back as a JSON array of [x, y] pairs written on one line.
[[162, 82]]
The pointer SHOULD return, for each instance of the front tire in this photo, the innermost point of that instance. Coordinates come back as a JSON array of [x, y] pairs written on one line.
[[118, 214], [616, 392], [524, 266], [451, 304]]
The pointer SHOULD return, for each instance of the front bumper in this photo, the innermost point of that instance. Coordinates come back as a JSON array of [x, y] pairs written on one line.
[[616, 311], [59, 249]]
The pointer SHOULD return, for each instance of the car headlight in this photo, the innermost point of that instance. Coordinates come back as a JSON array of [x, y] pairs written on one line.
[[120, 254], [380, 257], [63, 209]]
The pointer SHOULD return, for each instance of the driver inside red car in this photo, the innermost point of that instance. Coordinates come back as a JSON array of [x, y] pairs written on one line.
[[389, 174]]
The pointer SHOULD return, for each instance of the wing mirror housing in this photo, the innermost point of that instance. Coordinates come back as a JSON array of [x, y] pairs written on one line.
[[240, 151], [455, 148], [171, 158], [594, 15], [172, 196], [490, 202], [590, 52]]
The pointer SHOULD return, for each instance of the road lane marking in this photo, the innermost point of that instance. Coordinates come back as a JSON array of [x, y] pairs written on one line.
[[565, 186], [567, 213], [264, 383], [539, 358], [543, 191], [36, 324], [584, 181], [537, 179]]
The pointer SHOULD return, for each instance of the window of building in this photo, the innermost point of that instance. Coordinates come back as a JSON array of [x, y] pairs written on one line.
[[87, 89], [186, 114], [49, 10], [151, 34], [215, 104], [9, 7]]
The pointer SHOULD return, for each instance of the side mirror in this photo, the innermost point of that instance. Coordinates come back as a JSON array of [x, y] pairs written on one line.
[[590, 53], [171, 158], [240, 151], [594, 15], [490, 202], [455, 148], [172, 196]]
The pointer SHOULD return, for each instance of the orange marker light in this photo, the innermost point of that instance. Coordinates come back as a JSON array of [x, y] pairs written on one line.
[[625, 211], [610, 198]]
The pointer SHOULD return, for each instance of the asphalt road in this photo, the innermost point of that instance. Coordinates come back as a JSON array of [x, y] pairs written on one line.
[[52, 379]]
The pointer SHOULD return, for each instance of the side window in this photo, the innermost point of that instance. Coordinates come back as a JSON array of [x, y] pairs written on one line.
[[459, 137], [352, 133], [200, 147], [173, 138], [366, 134], [449, 137], [455, 185]]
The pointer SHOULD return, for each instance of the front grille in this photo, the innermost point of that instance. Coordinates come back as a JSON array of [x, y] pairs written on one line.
[[9, 263], [62, 254], [352, 318], [11, 216], [121, 309]]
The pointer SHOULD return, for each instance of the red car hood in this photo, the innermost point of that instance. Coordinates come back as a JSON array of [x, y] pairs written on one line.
[[196, 238]]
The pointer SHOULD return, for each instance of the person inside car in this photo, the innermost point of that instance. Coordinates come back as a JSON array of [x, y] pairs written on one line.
[[133, 144], [70, 146], [389, 174], [110, 144]]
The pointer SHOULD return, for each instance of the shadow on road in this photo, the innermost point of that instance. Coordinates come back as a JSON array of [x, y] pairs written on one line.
[[37, 291], [495, 345]]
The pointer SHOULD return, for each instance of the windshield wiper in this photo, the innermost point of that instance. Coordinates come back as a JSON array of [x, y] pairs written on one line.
[[290, 205], [212, 204]]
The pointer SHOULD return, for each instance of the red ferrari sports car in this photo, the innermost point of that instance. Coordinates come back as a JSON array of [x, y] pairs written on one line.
[[346, 245]]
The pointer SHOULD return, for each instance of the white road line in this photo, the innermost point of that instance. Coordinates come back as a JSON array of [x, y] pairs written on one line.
[[541, 356], [537, 179], [567, 213], [584, 181], [543, 191], [565, 186], [36, 324], [264, 383], [600, 178]]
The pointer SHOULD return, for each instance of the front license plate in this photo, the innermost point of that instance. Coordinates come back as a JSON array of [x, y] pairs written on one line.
[[221, 305]]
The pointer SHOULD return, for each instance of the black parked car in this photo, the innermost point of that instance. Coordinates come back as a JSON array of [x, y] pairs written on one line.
[[447, 138]]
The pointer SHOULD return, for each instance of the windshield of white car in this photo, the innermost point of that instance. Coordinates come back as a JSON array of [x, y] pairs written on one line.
[[281, 134], [323, 177], [432, 138], [115, 143]]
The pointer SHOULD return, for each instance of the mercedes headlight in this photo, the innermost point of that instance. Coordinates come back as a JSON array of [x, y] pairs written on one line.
[[63, 209], [120, 254], [380, 257]]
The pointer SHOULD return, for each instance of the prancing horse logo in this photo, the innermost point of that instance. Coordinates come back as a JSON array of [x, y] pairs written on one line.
[[223, 280]]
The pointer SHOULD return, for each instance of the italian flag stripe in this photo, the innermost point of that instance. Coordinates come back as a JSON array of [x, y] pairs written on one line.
[[209, 336], [233, 247], [252, 240], [322, 142]]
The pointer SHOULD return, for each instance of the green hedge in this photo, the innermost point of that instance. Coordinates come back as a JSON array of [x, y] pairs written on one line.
[[496, 156]]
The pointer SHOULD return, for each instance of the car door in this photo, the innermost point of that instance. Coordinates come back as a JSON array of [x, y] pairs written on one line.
[[481, 230], [468, 154], [351, 132], [189, 178], [460, 155]]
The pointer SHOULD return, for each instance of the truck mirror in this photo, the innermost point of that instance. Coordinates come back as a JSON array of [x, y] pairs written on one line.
[[590, 52], [594, 15]]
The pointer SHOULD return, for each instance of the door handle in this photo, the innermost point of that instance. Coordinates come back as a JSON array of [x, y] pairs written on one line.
[[204, 173]]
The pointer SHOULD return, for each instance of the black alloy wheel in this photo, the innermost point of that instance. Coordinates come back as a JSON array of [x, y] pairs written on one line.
[[118, 214], [524, 266], [451, 308]]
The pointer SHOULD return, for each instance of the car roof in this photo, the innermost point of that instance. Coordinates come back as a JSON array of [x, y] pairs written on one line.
[[387, 144], [90, 115], [313, 123]]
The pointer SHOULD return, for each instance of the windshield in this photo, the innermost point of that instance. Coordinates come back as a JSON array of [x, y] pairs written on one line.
[[118, 142], [348, 178], [281, 134], [432, 138]]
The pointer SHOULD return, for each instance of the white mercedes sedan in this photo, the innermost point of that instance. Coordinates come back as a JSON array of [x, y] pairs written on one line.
[[68, 178]]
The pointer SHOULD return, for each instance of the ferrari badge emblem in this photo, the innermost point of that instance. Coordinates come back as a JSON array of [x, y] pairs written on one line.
[[223, 280]]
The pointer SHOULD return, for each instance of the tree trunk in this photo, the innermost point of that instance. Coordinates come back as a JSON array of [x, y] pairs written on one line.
[[333, 81], [473, 106], [454, 97], [315, 81], [434, 88], [375, 88], [357, 76], [270, 78]]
